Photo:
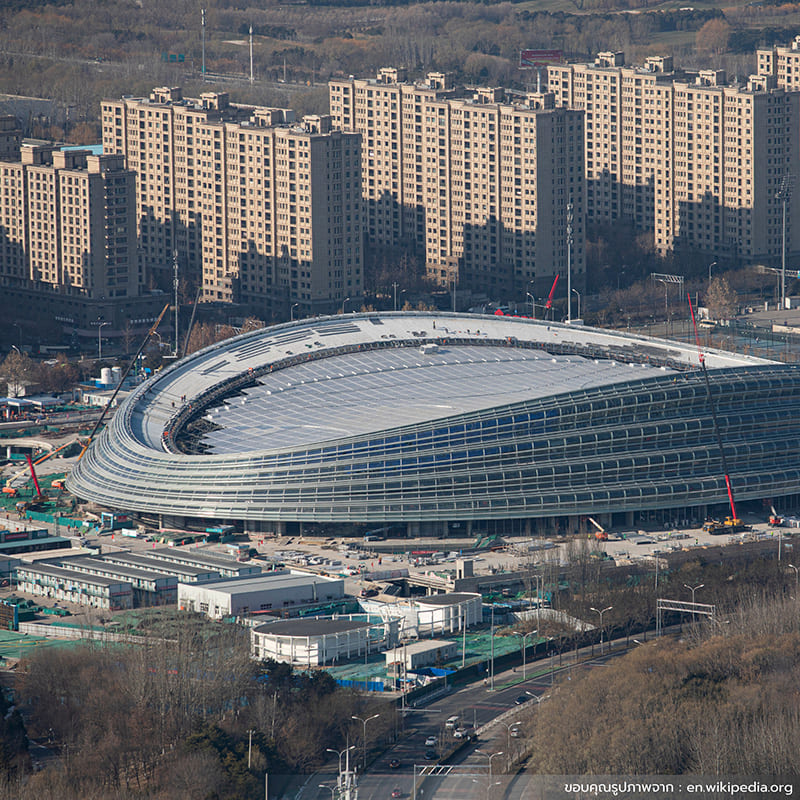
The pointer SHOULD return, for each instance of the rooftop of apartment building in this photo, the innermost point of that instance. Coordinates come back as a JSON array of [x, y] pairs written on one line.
[[664, 71], [217, 107], [441, 86]]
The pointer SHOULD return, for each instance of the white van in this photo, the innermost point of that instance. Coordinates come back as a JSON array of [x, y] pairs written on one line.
[[451, 723]]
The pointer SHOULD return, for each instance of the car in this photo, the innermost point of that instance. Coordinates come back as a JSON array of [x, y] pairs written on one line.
[[430, 755], [515, 733], [459, 733], [523, 698], [431, 741], [396, 792], [394, 764]]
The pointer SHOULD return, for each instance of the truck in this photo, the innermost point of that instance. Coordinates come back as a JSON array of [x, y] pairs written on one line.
[[729, 525]]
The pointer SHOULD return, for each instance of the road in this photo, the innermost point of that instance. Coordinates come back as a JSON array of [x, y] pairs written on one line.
[[466, 772]]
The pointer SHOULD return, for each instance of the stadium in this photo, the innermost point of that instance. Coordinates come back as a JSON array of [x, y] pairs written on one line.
[[435, 423]]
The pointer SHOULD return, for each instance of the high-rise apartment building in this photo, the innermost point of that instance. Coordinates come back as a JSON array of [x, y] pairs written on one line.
[[696, 161], [10, 137], [782, 63], [67, 224], [259, 208], [486, 186]]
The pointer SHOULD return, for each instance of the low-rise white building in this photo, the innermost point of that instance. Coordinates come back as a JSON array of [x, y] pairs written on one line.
[[311, 642], [98, 591], [436, 614], [266, 592], [426, 653]]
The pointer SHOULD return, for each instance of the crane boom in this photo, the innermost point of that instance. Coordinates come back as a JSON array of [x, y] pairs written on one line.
[[712, 405], [122, 380], [549, 303]]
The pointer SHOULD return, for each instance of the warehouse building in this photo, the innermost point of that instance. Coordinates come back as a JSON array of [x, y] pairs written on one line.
[[149, 588], [202, 559], [237, 598], [47, 580], [183, 572]]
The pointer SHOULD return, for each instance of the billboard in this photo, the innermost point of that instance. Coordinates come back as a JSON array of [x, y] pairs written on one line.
[[540, 58]]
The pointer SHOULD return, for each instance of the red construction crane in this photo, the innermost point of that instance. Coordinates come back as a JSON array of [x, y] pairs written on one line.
[[548, 306], [38, 497]]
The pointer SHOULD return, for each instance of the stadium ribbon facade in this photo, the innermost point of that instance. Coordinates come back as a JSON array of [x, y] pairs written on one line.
[[429, 420]]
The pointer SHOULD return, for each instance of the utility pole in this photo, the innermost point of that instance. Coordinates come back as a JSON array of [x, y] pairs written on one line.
[[203, 36], [175, 287], [569, 260], [784, 194], [251, 54]]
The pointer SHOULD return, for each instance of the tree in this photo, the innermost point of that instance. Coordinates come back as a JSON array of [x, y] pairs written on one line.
[[712, 38], [720, 299], [17, 369]]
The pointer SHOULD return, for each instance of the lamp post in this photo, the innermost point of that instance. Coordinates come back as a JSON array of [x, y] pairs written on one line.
[[796, 576], [693, 589], [491, 685], [524, 647], [331, 789], [601, 611], [490, 756], [344, 305], [533, 305], [784, 194], [394, 289], [291, 311], [712, 264], [508, 726], [99, 338], [340, 753], [489, 786], [569, 260], [575, 291], [365, 721]]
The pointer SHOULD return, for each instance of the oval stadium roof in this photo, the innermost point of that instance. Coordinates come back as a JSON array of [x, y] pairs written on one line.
[[418, 416]]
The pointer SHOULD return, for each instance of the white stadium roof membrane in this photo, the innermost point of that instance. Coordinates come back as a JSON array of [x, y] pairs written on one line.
[[435, 416]]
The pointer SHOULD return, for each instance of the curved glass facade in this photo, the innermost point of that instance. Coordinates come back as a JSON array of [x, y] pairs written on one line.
[[624, 441]]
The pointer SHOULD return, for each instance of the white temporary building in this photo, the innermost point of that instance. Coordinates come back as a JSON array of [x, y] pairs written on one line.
[[265, 592]]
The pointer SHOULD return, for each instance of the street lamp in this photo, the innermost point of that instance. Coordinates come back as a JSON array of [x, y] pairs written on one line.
[[99, 338], [344, 304], [490, 757], [524, 637], [579, 302], [533, 305], [365, 721], [784, 194], [712, 264], [489, 786], [693, 589], [491, 686], [508, 727], [796, 576], [291, 311], [340, 753], [569, 260], [331, 789], [601, 612]]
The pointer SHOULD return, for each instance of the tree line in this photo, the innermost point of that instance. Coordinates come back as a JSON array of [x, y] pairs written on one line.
[[173, 719]]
